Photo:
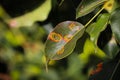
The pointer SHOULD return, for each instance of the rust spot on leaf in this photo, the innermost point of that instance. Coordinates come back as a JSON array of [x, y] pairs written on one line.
[[73, 27], [55, 37], [60, 51], [67, 38], [97, 70]]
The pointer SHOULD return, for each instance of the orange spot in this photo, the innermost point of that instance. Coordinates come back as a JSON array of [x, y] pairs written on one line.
[[100, 65], [97, 70], [67, 38], [60, 51], [73, 26], [55, 37]]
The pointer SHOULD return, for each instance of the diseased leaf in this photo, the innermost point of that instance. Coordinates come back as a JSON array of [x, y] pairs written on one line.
[[62, 40], [95, 28], [115, 24], [39, 14], [87, 6], [109, 5], [111, 48], [110, 70]]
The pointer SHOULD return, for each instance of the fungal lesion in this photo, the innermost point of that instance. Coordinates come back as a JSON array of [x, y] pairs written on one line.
[[67, 38], [73, 26], [60, 51], [55, 37], [109, 5]]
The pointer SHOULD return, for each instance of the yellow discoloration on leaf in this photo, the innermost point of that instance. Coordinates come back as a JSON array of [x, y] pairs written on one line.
[[60, 51], [109, 5], [55, 37], [72, 25], [67, 38]]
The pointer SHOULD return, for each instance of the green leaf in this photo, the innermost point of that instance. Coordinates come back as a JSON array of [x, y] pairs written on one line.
[[87, 6], [115, 24], [95, 28], [111, 48], [39, 14], [62, 40], [80, 43], [91, 52], [13, 39]]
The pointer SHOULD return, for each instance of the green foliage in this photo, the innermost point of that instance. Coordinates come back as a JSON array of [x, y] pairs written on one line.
[[111, 48], [87, 6], [39, 14], [25, 48], [90, 50], [115, 24], [98, 26]]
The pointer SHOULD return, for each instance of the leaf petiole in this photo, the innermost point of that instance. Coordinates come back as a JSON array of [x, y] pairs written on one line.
[[93, 17]]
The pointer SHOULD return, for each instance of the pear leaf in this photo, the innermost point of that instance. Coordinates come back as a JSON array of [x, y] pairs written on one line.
[[95, 28], [62, 40], [87, 6], [91, 52]]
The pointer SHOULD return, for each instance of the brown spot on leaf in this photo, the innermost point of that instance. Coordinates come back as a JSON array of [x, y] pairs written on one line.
[[97, 70], [73, 27], [55, 37]]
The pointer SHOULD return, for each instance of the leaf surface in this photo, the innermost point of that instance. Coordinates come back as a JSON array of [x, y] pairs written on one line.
[[91, 53], [87, 6], [95, 28], [111, 48], [62, 40], [115, 24]]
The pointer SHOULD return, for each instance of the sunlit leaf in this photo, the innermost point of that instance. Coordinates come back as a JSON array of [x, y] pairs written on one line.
[[87, 6], [110, 5], [95, 28], [62, 40], [111, 48], [39, 14], [115, 24], [91, 52]]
